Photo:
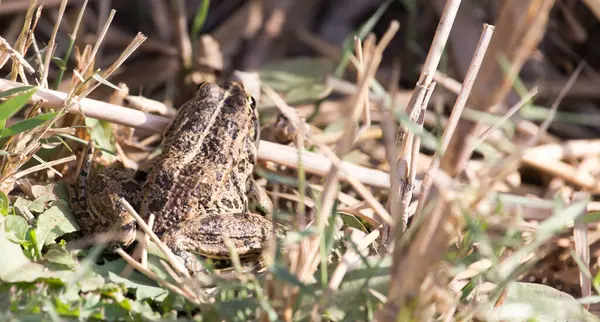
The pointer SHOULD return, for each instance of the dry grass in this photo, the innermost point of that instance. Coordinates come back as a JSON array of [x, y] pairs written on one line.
[[346, 186]]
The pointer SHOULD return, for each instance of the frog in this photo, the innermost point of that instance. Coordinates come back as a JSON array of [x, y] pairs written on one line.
[[200, 188]]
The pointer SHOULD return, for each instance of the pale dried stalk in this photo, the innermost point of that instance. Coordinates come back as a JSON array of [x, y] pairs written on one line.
[[344, 146], [21, 43], [183, 38], [166, 251], [504, 118], [582, 248], [101, 36], [404, 139], [44, 165], [562, 170], [268, 151], [50, 47], [360, 66], [414, 157], [144, 255], [523, 126], [15, 55], [150, 274], [293, 117], [350, 258], [459, 105], [500, 171], [569, 150], [133, 45]]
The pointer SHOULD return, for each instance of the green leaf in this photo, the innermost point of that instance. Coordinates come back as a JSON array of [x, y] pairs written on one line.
[[102, 133], [536, 301], [59, 62], [16, 228], [143, 286], [284, 274], [13, 105], [13, 91], [16, 267], [3, 204], [26, 125], [54, 223], [352, 221], [59, 255], [21, 204]]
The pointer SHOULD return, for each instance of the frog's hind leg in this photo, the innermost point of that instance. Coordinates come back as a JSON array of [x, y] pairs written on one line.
[[96, 200], [108, 186], [207, 235]]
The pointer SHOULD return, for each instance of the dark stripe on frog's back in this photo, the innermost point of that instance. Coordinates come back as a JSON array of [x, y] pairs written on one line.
[[205, 179], [204, 105], [184, 181]]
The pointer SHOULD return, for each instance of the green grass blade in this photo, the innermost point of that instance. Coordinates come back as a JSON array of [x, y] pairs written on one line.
[[362, 32], [14, 105], [15, 90], [27, 124], [200, 18]]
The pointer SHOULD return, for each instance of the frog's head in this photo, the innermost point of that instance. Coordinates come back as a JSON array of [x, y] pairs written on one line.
[[240, 102]]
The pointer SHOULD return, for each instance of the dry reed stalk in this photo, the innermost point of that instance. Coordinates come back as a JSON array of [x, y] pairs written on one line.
[[91, 59], [582, 248], [459, 105], [431, 238], [164, 249], [500, 122], [524, 127], [21, 43], [498, 172], [50, 47], [429, 242], [268, 151], [344, 146], [44, 165], [404, 138], [150, 274], [521, 25]]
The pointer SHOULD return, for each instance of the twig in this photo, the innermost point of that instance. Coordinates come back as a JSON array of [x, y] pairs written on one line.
[[50, 47], [505, 118], [166, 251], [268, 151], [334, 159], [43, 166], [459, 105], [150, 274], [345, 144], [144, 255]]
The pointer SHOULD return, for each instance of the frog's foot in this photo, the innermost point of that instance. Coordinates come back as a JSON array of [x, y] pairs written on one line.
[[190, 261], [258, 200], [213, 235]]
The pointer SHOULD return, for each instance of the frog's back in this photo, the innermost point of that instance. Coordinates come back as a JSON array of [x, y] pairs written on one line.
[[204, 150]]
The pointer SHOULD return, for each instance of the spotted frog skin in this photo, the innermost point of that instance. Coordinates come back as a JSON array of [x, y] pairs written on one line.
[[200, 188]]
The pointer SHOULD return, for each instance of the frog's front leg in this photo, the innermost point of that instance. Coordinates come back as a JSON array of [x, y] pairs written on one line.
[[258, 200], [95, 201], [206, 236]]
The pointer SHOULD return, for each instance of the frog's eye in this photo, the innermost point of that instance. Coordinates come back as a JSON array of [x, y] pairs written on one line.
[[202, 84], [252, 102]]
